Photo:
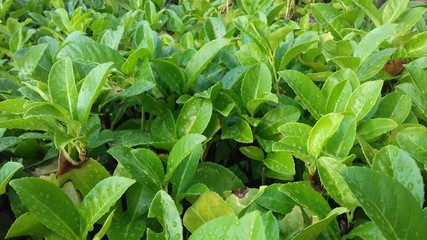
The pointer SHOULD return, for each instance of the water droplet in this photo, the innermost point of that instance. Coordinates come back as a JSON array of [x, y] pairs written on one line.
[[400, 169], [395, 153], [200, 232], [294, 144], [174, 224], [177, 236], [210, 233], [410, 186]]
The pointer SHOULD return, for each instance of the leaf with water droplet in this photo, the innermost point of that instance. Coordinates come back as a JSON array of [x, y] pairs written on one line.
[[391, 206], [50, 205], [164, 210], [400, 165]]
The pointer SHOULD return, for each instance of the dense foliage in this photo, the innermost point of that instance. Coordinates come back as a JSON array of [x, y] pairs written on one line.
[[244, 119]]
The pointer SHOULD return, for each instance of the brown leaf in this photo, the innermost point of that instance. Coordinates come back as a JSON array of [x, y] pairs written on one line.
[[394, 67]]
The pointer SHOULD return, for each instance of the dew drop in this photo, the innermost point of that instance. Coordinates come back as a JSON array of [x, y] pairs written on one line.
[[395, 153], [294, 144], [177, 236], [400, 169], [200, 232], [210, 233], [175, 224], [410, 186]]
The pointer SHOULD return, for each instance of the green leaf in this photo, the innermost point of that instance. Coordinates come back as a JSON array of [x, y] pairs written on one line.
[[90, 90], [50, 205], [392, 10], [308, 198], [325, 14], [395, 106], [309, 94], [312, 231], [194, 116], [249, 227], [413, 141], [235, 127], [126, 227], [369, 8], [163, 208], [214, 28], [201, 59], [275, 118], [91, 52], [417, 45], [256, 88], [372, 40], [275, 200], [408, 19], [86, 176], [341, 142], [374, 64], [255, 30], [328, 169], [384, 207], [293, 53], [397, 163], [144, 165], [183, 175], [100, 234], [62, 86], [252, 152], [295, 140], [217, 177], [281, 162], [170, 73], [363, 99], [6, 173], [99, 200], [26, 225], [209, 206], [375, 127], [29, 62], [17, 106], [366, 230], [180, 151], [324, 129]]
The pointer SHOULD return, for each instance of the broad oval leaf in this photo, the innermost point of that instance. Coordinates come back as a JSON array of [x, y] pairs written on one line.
[[341, 142], [6, 173], [383, 206], [99, 200], [207, 207], [143, 164], [413, 141], [217, 177], [397, 163], [91, 52], [163, 208], [328, 169], [281, 162], [375, 127], [90, 90], [256, 86], [324, 128], [26, 225], [194, 116], [249, 227], [363, 99], [307, 197], [182, 148], [309, 94], [50, 205], [62, 86], [184, 173], [372, 40], [392, 9], [395, 106], [171, 74], [201, 59], [315, 229], [417, 45], [275, 118]]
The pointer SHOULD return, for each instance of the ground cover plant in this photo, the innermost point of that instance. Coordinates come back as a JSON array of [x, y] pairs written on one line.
[[203, 119]]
